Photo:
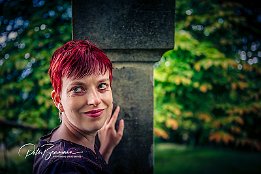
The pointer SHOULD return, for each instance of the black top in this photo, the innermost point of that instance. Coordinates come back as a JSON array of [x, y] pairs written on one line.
[[63, 156]]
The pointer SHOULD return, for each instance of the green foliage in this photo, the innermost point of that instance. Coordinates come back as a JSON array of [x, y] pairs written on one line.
[[204, 93], [30, 33]]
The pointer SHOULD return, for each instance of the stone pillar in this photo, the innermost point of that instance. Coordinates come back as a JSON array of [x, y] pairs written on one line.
[[134, 34]]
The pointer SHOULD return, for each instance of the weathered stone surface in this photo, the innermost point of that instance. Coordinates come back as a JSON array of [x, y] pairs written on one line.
[[134, 55], [132, 87], [125, 24]]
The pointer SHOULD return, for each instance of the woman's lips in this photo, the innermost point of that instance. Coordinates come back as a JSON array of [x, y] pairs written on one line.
[[94, 113]]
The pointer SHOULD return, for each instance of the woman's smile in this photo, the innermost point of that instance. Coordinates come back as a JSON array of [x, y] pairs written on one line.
[[93, 113]]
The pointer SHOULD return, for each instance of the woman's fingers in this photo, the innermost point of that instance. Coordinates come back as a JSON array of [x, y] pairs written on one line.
[[110, 125], [114, 116], [121, 128]]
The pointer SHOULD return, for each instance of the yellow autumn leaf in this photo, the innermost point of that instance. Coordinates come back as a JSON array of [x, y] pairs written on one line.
[[186, 81], [247, 67], [203, 88], [235, 129], [177, 80], [207, 64], [204, 116], [172, 123], [234, 86], [177, 111], [221, 137], [224, 65], [161, 133], [239, 120], [174, 109], [242, 85], [227, 138], [188, 114], [197, 67], [195, 84]]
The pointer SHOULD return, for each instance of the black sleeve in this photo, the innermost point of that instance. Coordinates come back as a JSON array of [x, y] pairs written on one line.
[[65, 167]]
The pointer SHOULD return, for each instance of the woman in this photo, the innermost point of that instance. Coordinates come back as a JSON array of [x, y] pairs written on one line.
[[81, 76]]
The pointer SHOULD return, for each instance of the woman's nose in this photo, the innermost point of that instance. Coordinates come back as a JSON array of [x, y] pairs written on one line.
[[93, 98]]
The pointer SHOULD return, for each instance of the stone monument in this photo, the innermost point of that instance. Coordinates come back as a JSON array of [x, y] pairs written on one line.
[[134, 34]]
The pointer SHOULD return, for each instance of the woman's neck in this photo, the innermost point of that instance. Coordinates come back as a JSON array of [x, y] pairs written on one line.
[[69, 132]]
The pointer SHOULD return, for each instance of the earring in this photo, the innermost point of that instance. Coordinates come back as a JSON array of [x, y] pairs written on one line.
[[60, 113]]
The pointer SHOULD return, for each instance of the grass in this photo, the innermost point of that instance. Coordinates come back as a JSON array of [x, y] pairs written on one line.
[[170, 158]]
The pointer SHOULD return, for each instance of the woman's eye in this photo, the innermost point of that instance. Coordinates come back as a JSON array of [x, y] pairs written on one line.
[[102, 86], [77, 89]]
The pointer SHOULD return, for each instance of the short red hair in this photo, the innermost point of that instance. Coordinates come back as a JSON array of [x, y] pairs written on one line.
[[77, 58]]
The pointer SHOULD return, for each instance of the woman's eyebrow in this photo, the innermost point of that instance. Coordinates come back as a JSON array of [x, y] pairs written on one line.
[[103, 80], [76, 83]]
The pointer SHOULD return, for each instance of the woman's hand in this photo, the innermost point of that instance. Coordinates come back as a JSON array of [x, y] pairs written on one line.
[[109, 137]]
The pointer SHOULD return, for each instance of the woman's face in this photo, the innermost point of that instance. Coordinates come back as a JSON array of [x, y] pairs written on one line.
[[87, 102]]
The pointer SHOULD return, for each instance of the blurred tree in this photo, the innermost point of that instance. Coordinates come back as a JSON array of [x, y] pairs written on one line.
[[208, 88], [30, 31]]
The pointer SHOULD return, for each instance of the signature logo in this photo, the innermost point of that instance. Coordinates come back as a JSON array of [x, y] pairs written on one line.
[[47, 153]]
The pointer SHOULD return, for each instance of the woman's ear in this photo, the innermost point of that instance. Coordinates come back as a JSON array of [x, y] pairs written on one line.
[[57, 100]]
